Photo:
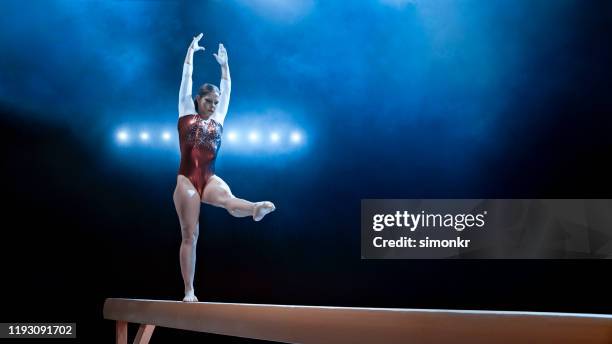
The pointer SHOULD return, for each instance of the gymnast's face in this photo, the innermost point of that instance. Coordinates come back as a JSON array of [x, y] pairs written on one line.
[[208, 103]]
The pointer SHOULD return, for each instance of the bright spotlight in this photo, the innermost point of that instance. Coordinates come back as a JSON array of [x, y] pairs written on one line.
[[144, 136], [232, 136], [296, 137], [253, 136], [166, 136], [274, 137], [122, 136]]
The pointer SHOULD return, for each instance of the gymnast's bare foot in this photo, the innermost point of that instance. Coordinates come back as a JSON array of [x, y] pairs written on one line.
[[190, 297], [261, 209]]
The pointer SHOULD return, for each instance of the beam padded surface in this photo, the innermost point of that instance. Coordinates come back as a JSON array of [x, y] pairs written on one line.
[[312, 324]]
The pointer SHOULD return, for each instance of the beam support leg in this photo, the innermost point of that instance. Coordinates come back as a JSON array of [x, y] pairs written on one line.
[[121, 332], [144, 334]]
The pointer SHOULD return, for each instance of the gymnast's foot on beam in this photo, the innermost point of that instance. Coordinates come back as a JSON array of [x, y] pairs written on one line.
[[190, 296], [261, 209]]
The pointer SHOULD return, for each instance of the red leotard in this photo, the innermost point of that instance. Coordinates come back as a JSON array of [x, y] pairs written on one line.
[[199, 140]]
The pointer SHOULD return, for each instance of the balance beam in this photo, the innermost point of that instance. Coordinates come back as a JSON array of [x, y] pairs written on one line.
[[313, 324]]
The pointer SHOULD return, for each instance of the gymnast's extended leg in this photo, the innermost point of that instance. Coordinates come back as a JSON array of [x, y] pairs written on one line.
[[217, 193], [187, 203]]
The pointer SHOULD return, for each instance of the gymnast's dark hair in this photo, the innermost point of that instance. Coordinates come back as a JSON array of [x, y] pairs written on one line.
[[204, 90]]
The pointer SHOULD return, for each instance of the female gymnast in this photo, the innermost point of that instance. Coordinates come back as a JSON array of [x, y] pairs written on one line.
[[200, 126]]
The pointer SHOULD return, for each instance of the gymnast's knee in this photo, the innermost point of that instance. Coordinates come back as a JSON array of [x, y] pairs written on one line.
[[189, 236], [224, 198], [233, 208], [234, 211]]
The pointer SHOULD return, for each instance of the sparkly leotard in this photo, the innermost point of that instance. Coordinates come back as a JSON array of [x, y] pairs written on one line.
[[199, 140]]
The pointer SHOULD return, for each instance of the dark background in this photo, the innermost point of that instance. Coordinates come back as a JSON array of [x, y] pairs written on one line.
[[506, 99]]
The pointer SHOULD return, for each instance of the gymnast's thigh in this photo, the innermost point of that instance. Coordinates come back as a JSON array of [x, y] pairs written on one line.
[[186, 202], [216, 192]]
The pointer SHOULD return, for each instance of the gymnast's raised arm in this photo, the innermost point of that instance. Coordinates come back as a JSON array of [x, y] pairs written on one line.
[[225, 85], [185, 103]]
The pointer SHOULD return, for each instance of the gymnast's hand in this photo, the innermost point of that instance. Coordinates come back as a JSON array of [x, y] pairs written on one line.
[[221, 56], [194, 44]]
